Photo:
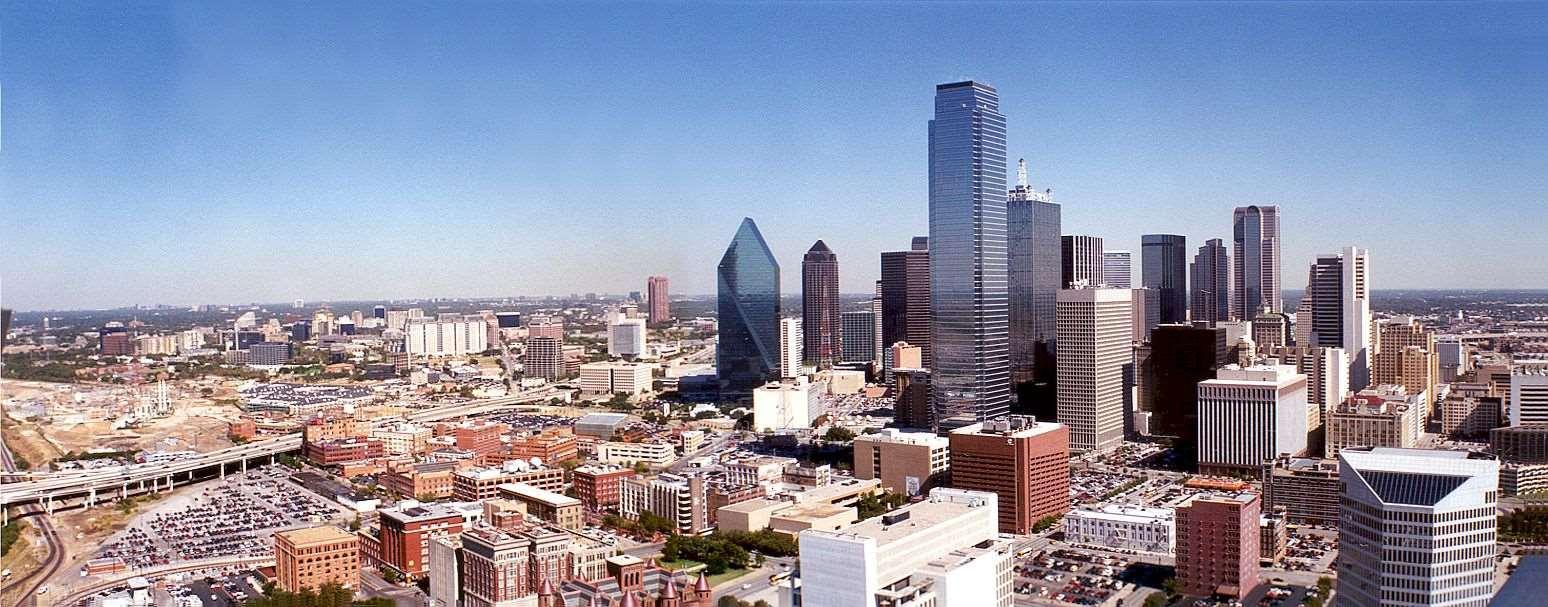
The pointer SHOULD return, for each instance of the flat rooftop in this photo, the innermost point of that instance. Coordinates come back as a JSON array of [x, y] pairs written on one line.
[[921, 516], [316, 535]]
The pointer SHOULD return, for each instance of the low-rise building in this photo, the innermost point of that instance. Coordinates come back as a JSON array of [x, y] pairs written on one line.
[[628, 454], [1471, 410], [316, 556], [597, 485], [403, 438], [483, 483], [791, 403], [1381, 417], [1123, 527], [681, 499], [338, 452], [1519, 479], [432, 480], [911, 463], [556, 508], [1305, 488], [1523, 444], [615, 377]]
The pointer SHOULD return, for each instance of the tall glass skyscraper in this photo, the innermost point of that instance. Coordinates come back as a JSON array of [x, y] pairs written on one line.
[[969, 308], [1211, 283], [747, 304], [1164, 267], [1034, 269], [820, 306], [1256, 270]]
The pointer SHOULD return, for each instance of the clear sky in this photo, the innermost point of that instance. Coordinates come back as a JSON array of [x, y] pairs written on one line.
[[209, 152]]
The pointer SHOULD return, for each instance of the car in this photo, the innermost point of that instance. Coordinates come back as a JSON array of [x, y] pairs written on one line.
[[42, 590], [746, 586]]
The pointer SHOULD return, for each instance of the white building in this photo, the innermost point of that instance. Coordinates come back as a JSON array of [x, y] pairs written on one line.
[[1417, 528], [944, 551], [792, 403], [1094, 330], [1250, 415], [445, 574], [790, 347], [1528, 396], [1118, 269], [1123, 527], [446, 337], [626, 337], [627, 454], [403, 438], [615, 377]]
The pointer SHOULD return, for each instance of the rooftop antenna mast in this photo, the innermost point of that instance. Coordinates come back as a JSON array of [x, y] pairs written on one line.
[[1021, 173]]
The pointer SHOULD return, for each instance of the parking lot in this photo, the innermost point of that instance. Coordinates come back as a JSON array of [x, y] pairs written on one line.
[[233, 517], [1308, 550], [1071, 577]]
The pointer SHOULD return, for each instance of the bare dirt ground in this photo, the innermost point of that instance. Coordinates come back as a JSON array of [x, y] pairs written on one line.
[[197, 423], [24, 557]]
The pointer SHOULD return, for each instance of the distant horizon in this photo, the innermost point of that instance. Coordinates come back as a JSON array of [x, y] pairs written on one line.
[[184, 151]]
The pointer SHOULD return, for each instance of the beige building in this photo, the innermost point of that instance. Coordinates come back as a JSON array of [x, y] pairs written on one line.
[[604, 378], [628, 454], [1405, 356], [483, 483], [906, 462], [313, 557], [1382, 417], [562, 510], [403, 439]]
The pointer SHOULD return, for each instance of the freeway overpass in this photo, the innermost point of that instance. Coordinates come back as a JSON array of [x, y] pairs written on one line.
[[88, 487]]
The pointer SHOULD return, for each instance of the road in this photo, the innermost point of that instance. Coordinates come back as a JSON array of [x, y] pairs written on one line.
[[151, 573], [757, 582], [373, 586], [52, 561]]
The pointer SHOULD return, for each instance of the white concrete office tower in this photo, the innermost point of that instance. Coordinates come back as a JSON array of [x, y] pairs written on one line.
[[969, 296], [625, 336], [943, 551], [1528, 396], [1417, 527], [615, 377], [1123, 527], [427, 337], [1255, 261], [1095, 326], [445, 571], [1250, 415], [1117, 269], [1339, 291], [791, 403], [790, 347]]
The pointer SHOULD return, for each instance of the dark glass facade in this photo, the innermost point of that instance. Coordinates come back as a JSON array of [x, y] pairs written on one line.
[[905, 294], [1081, 261], [822, 336], [1181, 356], [1256, 277], [1034, 262], [1164, 261], [1211, 286], [968, 284], [747, 306]]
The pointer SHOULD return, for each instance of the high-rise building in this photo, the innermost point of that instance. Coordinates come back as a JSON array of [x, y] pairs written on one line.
[[878, 347], [942, 551], [543, 325], [1528, 396], [1327, 381], [747, 304], [969, 340], [1250, 415], [1453, 360], [1339, 291], [1035, 262], [406, 534], [1417, 528], [657, 290], [316, 556], [861, 326], [1081, 263], [1270, 330], [545, 358], [905, 287], [679, 498], [791, 343], [625, 336], [1094, 346], [1164, 267], [1024, 462], [1405, 355], [1211, 288], [446, 337], [910, 463], [1217, 544], [820, 306], [911, 388], [1147, 312], [1181, 356], [1118, 269], [1255, 282]]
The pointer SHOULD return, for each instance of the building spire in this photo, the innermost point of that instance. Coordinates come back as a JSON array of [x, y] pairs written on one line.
[[1021, 173]]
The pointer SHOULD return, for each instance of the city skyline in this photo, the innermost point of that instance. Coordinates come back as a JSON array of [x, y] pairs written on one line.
[[99, 181]]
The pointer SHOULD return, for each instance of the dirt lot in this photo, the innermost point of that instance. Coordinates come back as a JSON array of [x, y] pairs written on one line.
[[197, 423], [21, 559]]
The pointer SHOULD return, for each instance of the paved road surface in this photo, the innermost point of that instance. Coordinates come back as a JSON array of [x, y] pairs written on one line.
[[52, 560]]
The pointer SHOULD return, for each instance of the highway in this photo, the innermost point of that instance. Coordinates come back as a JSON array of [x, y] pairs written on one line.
[[51, 561]]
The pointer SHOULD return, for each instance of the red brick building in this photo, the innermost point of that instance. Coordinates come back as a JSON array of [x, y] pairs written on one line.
[[406, 534], [335, 452], [480, 438], [1218, 544], [597, 486], [551, 447], [1022, 461]]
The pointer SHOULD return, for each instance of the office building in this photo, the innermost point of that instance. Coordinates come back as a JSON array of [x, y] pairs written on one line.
[[1405, 355], [791, 344], [446, 337], [678, 498], [1181, 356], [943, 551], [1035, 268], [316, 556], [858, 337], [1305, 488], [406, 535], [1270, 330], [905, 287], [1379, 417], [747, 304], [1528, 396], [1081, 262], [1255, 279], [428, 480], [911, 388], [910, 463], [508, 320], [540, 325], [478, 484], [1250, 415], [786, 404], [1218, 544], [625, 337], [1452, 359], [545, 358], [1417, 528], [1146, 313], [269, 353], [1210, 292], [969, 340], [1471, 410], [597, 485], [1021, 460], [655, 453], [1521, 444], [115, 343], [1123, 527], [878, 346], [404, 438], [820, 306], [1339, 291], [1117, 270], [608, 378], [1094, 346], [556, 508], [1164, 267], [657, 292], [1327, 383]]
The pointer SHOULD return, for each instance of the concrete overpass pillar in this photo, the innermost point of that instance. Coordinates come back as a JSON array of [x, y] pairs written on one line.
[[244, 465], [223, 469], [91, 497]]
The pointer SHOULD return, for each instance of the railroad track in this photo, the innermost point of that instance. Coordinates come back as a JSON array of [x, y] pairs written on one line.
[[31, 582]]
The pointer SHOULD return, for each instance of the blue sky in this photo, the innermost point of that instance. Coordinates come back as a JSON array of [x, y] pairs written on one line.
[[209, 152]]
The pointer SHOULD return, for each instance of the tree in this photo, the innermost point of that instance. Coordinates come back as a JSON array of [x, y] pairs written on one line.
[[730, 601], [651, 522], [1043, 524], [1170, 585], [641, 467], [391, 575], [745, 422], [1156, 599], [706, 414], [839, 434]]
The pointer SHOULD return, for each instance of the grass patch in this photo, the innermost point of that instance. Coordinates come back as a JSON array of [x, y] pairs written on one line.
[[693, 568]]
